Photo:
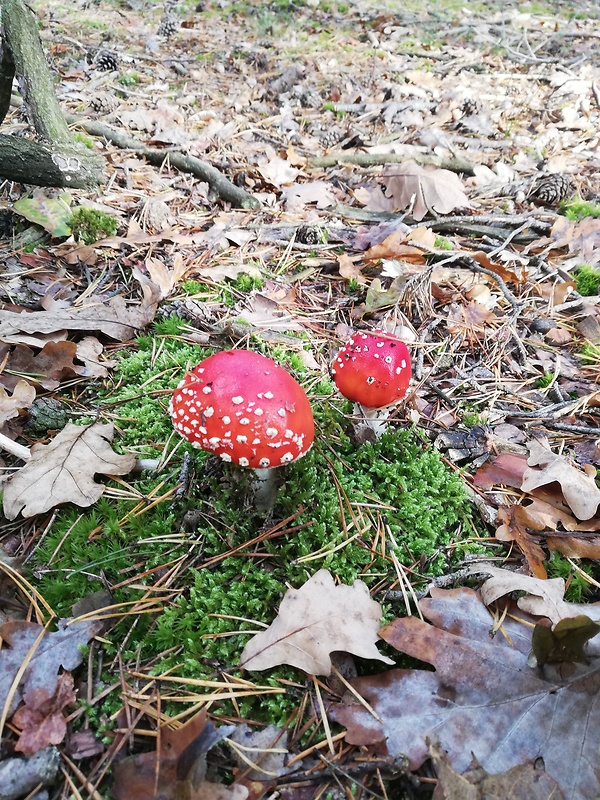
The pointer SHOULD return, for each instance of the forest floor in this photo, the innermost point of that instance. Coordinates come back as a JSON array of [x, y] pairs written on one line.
[[278, 177]]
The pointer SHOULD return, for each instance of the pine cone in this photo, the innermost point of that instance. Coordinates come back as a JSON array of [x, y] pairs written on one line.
[[105, 103], [309, 234], [169, 25], [106, 61], [550, 190]]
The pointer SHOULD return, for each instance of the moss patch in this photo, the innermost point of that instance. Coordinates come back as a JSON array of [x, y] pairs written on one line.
[[342, 507]]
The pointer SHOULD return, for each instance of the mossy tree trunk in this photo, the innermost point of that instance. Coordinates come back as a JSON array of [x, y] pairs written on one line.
[[56, 159]]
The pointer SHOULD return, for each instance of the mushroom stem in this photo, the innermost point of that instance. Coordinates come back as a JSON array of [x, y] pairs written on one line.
[[376, 419], [264, 485]]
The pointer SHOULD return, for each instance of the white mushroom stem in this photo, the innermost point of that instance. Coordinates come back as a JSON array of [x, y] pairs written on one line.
[[264, 485], [14, 448], [376, 419]]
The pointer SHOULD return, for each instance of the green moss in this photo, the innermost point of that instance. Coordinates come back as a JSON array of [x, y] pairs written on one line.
[[340, 500], [590, 354], [89, 225], [578, 209], [587, 280], [84, 140], [544, 381], [129, 79], [577, 585]]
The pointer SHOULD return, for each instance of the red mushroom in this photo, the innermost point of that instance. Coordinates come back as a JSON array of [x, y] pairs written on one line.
[[373, 369], [246, 409]]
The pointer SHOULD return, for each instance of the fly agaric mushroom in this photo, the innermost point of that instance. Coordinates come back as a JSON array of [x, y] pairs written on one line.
[[249, 411], [373, 369]]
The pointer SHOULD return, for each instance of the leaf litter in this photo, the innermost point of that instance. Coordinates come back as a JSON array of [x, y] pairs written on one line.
[[480, 273]]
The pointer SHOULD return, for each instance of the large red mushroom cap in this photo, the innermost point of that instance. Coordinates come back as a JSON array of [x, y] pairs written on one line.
[[245, 408], [373, 369]]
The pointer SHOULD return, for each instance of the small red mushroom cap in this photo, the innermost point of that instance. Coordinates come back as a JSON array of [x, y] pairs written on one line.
[[245, 408], [373, 369]]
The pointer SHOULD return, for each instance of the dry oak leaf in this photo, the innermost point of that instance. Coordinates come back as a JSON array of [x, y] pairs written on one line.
[[10, 405], [433, 189], [177, 768], [482, 700], [63, 471], [315, 620], [45, 653], [579, 488], [44, 723], [542, 598]]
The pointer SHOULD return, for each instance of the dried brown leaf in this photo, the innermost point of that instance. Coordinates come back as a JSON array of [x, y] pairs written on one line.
[[115, 318], [349, 269], [579, 489], [63, 471], [515, 521], [44, 723], [433, 189], [542, 598], [56, 650], [481, 700], [524, 782], [315, 620], [11, 405]]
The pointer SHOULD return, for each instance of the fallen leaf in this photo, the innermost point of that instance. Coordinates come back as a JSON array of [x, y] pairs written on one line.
[[481, 700], [278, 172], [166, 279], [525, 782], [51, 213], [177, 768], [515, 521], [469, 318], [55, 650], [564, 642], [349, 269], [114, 317], [579, 488], [427, 189], [10, 406], [63, 471], [542, 598], [299, 195], [315, 620], [43, 723], [89, 350], [47, 368]]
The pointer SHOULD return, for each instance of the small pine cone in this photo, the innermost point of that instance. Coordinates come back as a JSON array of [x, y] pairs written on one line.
[[329, 138], [470, 106], [309, 234], [550, 190], [169, 25], [106, 61], [105, 103], [310, 98]]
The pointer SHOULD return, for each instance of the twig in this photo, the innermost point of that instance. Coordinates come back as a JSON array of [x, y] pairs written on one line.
[[379, 159], [201, 169]]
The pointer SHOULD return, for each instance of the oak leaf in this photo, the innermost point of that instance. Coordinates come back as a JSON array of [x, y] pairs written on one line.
[[482, 700], [63, 471], [315, 620], [433, 189], [579, 488], [10, 405], [39, 686]]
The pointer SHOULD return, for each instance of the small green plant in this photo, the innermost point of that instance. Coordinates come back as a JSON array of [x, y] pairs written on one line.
[[579, 209], [84, 140], [587, 280], [577, 585], [441, 243], [472, 418], [544, 381], [590, 354], [129, 79], [89, 225], [328, 106]]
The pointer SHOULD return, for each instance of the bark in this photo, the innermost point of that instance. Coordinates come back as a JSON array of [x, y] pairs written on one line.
[[57, 160], [26, 161]]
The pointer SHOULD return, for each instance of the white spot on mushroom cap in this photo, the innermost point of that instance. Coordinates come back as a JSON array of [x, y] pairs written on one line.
[[281, 412], [244, 421], [237, 400], [241, 439], [259, 412], [206, 390], [269, 395], [243, 461], [226, 420], [209, 411], [270, 432], [264, 462], [286, 458], [226, 457]]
